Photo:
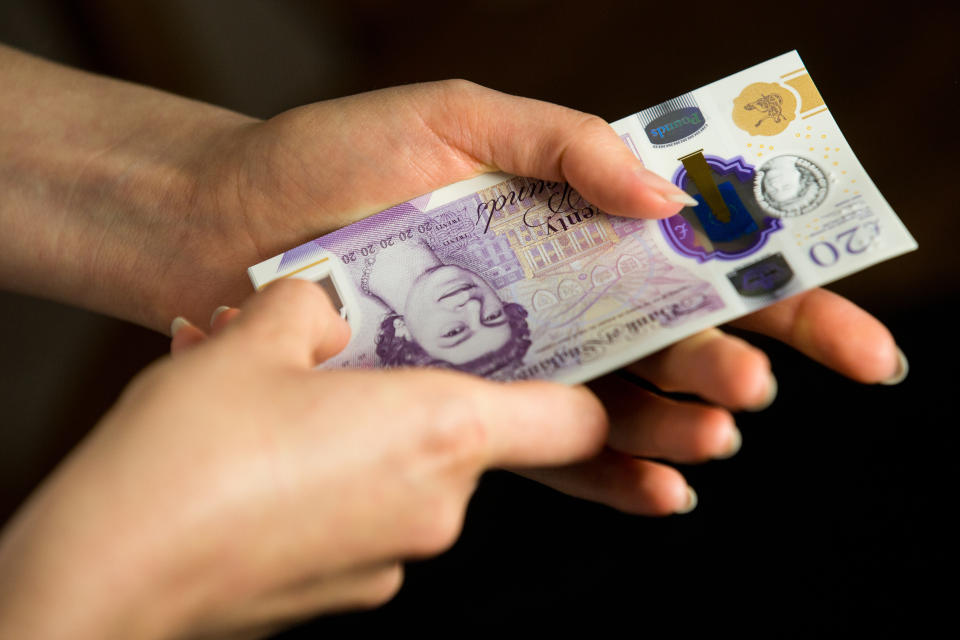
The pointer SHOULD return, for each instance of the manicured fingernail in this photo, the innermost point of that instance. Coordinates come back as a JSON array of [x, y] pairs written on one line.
[[666, 189], [772, 388], [217, 312], [692, 501], [903, 368], [178, 323], [683, 198], [736, 441]]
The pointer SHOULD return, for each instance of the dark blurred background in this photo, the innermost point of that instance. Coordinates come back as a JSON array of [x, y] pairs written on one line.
[[825, 523]]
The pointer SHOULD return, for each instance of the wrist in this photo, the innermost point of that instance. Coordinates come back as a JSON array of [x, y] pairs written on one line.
[[102, 187], [160, 235]]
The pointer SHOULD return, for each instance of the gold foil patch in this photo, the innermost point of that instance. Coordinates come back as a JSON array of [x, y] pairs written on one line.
[[764, 108]]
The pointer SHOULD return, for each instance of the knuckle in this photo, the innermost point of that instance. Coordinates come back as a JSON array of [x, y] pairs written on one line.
[[455, 433], [440, 528], [383, 586], [590, 125], [459, 87], [652, 496], [748, 382], [592, 414], [593, 122], [714, 433]]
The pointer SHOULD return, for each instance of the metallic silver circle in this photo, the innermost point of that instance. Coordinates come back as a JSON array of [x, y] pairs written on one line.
[[789, 186]]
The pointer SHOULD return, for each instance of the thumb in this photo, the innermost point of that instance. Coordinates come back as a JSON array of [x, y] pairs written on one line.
[[532, 138], [290, 321]]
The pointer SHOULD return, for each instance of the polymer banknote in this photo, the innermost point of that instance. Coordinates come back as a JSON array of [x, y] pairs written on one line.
[[516, 278]]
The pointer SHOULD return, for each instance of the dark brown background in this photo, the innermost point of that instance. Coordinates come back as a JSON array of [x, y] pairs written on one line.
[[825, 522]]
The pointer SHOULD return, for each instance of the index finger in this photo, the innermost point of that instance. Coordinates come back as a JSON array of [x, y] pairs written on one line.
[[833, 331], [531, 424]]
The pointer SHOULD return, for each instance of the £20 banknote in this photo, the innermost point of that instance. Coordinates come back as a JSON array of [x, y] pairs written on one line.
[[514, 278]]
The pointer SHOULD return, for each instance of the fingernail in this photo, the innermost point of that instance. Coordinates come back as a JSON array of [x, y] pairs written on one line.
[[903, 368], [772, 388], [178, 323], [736, 441], [692, 501], [683, 198], [217, 312], [666, 189]]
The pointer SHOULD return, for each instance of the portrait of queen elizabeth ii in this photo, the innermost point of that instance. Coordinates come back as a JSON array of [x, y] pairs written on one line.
[[442, 315]]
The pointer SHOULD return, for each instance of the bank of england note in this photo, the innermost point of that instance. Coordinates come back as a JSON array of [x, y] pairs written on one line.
[[516, 278]]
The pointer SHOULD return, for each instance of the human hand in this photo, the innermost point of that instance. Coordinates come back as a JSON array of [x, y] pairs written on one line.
[[233, 487], [724, 370], [184, 205], [273, 185], [232, 191], [415, 139], [144, 205], [399, 143], [729, 374]]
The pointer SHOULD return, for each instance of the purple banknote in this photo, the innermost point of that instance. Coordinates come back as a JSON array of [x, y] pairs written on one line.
[[514, 278]]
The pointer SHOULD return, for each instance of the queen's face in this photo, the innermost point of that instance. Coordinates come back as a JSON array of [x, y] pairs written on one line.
[[455, 316], [782, 181]]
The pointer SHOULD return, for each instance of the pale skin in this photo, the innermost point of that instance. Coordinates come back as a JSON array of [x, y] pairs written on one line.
[[233, 488]]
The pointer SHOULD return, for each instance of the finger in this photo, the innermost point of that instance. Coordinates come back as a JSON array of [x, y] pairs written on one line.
[[648, 425], [539, 423], [622, 482], [184, 336], [222, 316], [429, 435], [489, 424], [533, 138], [833, 331], [292, 321], [720, 368]]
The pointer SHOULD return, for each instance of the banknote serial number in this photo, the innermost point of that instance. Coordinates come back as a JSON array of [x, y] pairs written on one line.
[[385, 243]]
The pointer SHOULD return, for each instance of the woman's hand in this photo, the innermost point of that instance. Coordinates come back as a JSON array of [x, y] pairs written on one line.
[[233, 487], [273, 185], [731, 375], [727, 372], [246, 487], [395, 144], [144, 205], [162, 203]]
